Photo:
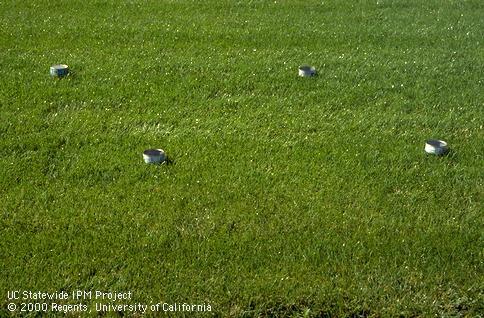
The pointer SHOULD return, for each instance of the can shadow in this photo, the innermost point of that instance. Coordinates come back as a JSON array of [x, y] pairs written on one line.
[[450, 154], [168, 161], [70, 77]]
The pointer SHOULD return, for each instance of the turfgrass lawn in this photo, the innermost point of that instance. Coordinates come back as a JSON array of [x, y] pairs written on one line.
[[284, 196]]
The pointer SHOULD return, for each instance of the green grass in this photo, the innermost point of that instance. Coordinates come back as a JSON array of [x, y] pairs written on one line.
[[284, 196]]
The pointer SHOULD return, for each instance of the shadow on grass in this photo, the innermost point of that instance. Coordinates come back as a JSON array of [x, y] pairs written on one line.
[[168, 161]]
